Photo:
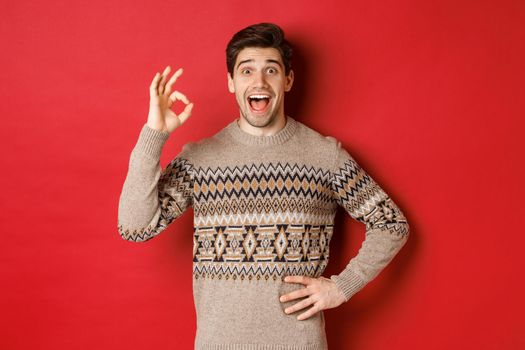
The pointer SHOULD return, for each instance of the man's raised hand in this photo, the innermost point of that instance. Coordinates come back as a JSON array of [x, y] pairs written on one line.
[[160, 116]]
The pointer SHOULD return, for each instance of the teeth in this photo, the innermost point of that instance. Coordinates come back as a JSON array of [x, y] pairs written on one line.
[[259, 96]]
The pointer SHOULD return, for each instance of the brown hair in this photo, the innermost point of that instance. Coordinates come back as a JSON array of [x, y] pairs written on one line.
[[259, 35]]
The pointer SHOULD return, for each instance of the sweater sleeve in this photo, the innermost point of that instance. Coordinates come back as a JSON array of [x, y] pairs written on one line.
[[152, 197], [386, 227]]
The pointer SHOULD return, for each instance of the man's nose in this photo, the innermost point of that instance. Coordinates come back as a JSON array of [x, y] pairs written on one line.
[[259, 79]]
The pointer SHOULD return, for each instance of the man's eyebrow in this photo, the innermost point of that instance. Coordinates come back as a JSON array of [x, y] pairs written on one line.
[[267, 61], [244, 61], [275, 61]]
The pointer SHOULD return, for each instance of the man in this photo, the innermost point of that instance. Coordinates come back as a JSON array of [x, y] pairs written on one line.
[[264, 190]]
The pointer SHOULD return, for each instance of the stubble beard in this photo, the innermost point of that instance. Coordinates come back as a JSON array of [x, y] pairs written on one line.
[[258, 122]]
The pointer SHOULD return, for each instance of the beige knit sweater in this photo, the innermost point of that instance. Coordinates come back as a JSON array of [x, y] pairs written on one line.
[[263, 208]]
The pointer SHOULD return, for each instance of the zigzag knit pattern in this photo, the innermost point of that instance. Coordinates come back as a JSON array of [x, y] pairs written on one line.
[[365, 201], [263, 209]]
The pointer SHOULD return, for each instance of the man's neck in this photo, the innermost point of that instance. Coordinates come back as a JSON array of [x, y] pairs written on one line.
[[268, 130]]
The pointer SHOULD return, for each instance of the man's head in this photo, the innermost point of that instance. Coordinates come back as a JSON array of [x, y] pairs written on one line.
[[259, 35], [259, 72]]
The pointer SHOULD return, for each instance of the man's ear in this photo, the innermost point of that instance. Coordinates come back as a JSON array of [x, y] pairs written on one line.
[[289, 81], [231, 86]]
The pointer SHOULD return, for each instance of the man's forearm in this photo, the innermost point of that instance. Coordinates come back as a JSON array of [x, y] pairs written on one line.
[[382, 242], [138, 210]]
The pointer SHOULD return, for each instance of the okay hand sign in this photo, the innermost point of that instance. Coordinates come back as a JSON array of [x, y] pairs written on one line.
[[160, 116]]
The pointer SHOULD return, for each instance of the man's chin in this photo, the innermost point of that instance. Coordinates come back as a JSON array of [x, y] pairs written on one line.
[[258, 120]]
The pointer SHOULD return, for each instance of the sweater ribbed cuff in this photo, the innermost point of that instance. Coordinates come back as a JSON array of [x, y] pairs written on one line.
[[348, 282], [151, 141]]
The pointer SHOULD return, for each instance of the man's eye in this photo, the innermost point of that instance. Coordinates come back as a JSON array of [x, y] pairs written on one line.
[[272, 70], [245, 71]]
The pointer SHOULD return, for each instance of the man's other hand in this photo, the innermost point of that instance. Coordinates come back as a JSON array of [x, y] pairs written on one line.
[[321, 292]]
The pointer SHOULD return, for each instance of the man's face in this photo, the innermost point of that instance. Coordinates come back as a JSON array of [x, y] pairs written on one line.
[[259, 83]]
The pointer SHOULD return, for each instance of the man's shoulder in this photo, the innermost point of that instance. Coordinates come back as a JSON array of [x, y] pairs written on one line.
[[204, 146], [317, 138], [196, 147]]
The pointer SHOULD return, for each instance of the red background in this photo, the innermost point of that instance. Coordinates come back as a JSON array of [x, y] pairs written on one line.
[[428, 96]]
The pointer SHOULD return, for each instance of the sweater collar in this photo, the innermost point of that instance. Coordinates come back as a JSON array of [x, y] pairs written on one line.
[[278, 138]]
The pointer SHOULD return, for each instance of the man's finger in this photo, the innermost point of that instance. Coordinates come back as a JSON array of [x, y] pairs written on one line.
[[299, 305], [310, 312], [177, 95], [163, 80], [298, 279], [185, 114], [299, 293], [180, 96], [154, 85], [172, 80]]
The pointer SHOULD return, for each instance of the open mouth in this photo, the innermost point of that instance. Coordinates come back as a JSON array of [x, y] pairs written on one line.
[[259, 102]]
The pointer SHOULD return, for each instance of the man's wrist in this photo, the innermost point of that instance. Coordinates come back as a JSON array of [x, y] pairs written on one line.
[[151, 141], [349, 283]]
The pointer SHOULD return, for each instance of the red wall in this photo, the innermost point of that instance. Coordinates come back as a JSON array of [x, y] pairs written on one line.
[[428, 97]]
